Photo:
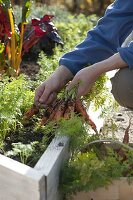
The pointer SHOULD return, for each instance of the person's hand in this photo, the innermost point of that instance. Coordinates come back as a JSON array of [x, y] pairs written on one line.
[[84, 80], [46, 93], [86, 77]]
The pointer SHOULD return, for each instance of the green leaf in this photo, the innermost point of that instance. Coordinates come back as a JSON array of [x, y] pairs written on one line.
[[2, 48], [7, 3], [26, 9]]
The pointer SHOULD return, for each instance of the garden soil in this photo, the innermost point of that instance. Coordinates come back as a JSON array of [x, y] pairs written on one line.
[[29, 68]]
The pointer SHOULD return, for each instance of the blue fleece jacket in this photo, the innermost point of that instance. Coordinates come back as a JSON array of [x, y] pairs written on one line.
[[105, 39]]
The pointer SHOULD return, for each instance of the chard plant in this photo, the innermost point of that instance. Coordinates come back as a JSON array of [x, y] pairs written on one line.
[[16, 40], [11, 37]]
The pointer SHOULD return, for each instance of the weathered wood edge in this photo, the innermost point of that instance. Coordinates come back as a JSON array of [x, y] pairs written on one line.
[[50, 164], [52, 153], [39, 177], [19, 181], [19, 168], [44, 164], [119, 189]]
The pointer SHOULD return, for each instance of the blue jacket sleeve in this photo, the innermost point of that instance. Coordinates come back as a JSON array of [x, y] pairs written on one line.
[[105, 39], [126, 54]]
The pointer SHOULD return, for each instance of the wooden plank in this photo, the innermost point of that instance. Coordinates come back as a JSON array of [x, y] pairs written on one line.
[[42, 188], [125, 189], [18, 181], [19, 167], [118, 190], [50, 164], [111, 193]]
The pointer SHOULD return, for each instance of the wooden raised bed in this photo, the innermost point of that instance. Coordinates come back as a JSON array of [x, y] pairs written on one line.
[[121, 189], [118, 190], [21, 182]]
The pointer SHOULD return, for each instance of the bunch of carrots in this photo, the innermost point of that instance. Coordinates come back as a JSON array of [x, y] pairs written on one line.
[[65, 108], [62, 108]]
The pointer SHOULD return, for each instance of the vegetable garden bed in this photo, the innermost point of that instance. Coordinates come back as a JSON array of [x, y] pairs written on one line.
[[26, 141], [19, 181], [119, 189]]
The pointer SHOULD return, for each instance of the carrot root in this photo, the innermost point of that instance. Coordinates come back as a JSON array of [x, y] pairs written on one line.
[[32, 111], [81, 109]]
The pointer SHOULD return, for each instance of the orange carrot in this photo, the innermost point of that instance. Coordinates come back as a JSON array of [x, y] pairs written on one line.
[[70, 109], [48, 115], [81, 109], [48, 111], [52, 114], [43, 121], [32, 111], [60, 109]]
